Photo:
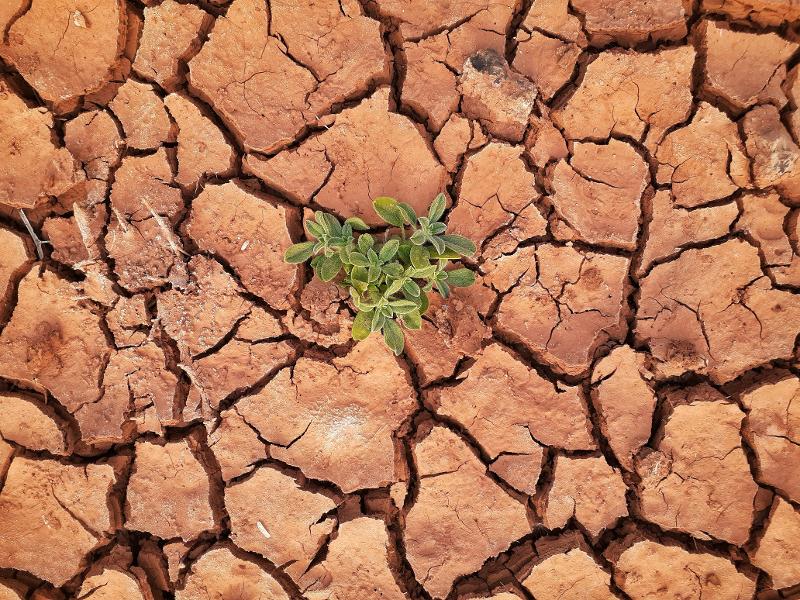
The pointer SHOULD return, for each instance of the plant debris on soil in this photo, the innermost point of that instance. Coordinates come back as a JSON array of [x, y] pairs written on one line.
[[611, 411]]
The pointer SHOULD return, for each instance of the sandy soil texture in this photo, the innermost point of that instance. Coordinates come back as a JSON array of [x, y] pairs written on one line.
[[612, 411]]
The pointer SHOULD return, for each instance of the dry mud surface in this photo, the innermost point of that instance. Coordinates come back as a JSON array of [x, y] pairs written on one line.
[[613, 411]]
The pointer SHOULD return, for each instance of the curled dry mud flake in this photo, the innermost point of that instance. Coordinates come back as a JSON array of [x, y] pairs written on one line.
[[697, 479], [170, 35], [625, 401], [776, 552], [596, 195], [588, 490], [284, 75], [772, 428], [220, 573], [562, 303], [572, 575], [628, 24], [740, 68], [34, 166], [71, 510], [339, 419], [367, 152], [50, 326], [460, 518], [288, 525], [356, 565], [649, 569], [723, 331], [179, 508], [68, 49], [703, 161], [495, 186], [31, 425], [509, 409], [627, 93]]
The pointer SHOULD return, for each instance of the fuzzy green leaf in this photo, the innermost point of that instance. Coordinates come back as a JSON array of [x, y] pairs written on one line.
[[332, 224], [329, 267], [359, 273], [447, 255], [393, 336], [389, 250], [460, 277], [358, 259], [412, 320], [315, 229], [411, 288], [443, 288], [420, 257], [423, 302], [377, 321], [298, 253], [402, 307], [389, 211], [418, 237], [437, 228], [361, 326], [393, 269], [394, 287], [365, 242], [437, 207], [408, 211], [357, 224], [438, 243], [458, 243]]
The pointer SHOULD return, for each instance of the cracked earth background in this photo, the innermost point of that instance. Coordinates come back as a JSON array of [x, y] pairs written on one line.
[[613, 411]]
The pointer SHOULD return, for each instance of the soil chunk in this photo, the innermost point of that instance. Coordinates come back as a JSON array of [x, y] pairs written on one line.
[[741, 68], [772, 428], [356, 565], [94, 139], [66, 50], [762, 12], [30, 425], [587, 489], [597, 194], [15, 260], [34, 167], [703, 161], [672, 228], [640, 95], [648, 569], [202, 314], [111, 584], [339, 417], [499, 98], [495, 187], [179, 508], [219, 574], [777, 552], [250, 233], [722, 330], [171, 34], [698, 479], [202, 147], [607, 21], [451, 331], [71, 505], [624, 402], [570, 307], [49, 327], [293, 518], [573, 575], [143, 116], [450, 530], [235, 445], [289, 78], [508, 408], [365, 153], [775, 155]]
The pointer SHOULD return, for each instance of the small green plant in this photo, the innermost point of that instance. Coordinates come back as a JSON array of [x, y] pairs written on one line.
[[388, 280]]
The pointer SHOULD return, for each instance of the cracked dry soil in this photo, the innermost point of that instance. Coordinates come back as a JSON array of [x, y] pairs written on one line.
[[613, 411]]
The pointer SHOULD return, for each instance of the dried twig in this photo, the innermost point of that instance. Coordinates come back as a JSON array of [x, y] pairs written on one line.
[[36, 241]]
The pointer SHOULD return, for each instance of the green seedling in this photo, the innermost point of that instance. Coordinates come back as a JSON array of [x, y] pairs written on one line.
[[388, 280]]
